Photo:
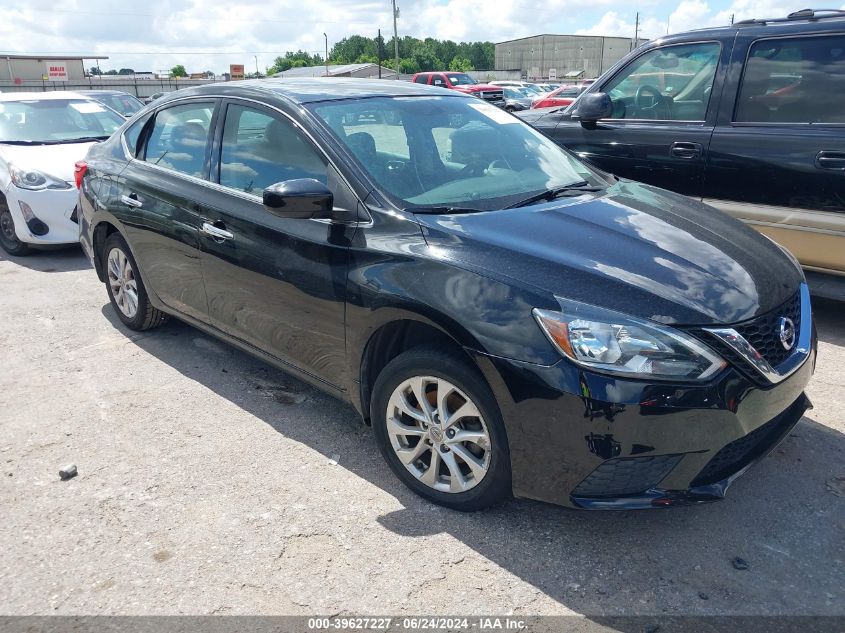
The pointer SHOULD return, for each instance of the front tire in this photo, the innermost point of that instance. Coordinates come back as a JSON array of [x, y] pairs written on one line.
[[438, 426], [126, 290], [8, 239]]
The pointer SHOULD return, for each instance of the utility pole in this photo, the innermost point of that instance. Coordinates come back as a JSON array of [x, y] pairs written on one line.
[[378, 52], [327, 54], [732, 19], [396, 37], [636, 32], [256, 64]]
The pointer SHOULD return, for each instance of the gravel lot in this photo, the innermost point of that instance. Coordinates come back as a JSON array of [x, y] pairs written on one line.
[[211, 483]]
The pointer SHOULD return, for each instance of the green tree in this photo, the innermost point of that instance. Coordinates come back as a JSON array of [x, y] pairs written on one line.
[[460, 64], [125, 71], [178, 71], [94, 71]]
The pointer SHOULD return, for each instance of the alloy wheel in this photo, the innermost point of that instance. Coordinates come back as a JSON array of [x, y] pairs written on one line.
[[123, 283], [439, 434]]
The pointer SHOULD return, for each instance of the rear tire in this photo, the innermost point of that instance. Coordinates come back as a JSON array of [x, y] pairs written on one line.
[[126, 289], [8, 239], [422, 440]]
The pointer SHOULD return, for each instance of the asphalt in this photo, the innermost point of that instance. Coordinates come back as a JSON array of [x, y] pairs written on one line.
[[210, 483]]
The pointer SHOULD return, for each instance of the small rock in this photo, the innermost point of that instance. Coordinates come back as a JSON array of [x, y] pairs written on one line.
[[334, 460], [739, 563], [601, 591], [68, 472], [837, 486], [703, 595], [697, 568], [651, 628]]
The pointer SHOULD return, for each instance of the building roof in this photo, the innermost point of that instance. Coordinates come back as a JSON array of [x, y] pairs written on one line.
[[334, 69], [5, 56], [312, 89], [605, 37]]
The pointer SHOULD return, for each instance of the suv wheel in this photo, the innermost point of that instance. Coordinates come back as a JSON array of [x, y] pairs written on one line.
[[125, 287], [8, 239], [440, 430]]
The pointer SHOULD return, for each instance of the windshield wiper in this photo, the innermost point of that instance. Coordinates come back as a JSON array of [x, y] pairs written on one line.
[[557, 192], [82, 139], [444, 210], [22, 142]]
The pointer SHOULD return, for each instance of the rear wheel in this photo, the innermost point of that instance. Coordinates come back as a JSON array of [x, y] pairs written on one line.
[[126, 289], [440, 430], [8, 239]]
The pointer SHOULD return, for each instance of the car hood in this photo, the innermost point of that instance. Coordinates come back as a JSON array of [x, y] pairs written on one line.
[[54, 160], [634, 248]]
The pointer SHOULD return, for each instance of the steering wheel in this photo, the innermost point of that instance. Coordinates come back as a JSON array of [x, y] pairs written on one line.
[[641, 91]]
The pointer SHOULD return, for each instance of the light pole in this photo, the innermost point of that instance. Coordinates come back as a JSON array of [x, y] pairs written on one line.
[[256, 64], [327, 54], [396, 37]]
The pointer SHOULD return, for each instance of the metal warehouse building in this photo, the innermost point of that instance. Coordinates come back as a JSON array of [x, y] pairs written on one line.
[[559, 56], [31, 67]]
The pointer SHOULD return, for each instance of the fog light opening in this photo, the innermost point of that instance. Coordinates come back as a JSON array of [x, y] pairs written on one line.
[[33, 223]]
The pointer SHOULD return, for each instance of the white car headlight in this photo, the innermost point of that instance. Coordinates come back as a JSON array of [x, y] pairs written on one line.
[[615, 343], [35, 180]]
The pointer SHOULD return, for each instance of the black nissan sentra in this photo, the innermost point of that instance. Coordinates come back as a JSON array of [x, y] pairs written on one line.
[[508, 319]]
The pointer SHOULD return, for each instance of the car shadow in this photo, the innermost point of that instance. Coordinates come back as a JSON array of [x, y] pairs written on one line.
[[780, 517], [53, 260], [829, 315]]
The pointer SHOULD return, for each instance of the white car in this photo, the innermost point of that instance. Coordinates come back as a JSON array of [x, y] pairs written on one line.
[[42, 135]]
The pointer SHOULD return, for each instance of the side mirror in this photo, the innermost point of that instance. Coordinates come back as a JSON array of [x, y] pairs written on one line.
[[594, 106], [302, 198]]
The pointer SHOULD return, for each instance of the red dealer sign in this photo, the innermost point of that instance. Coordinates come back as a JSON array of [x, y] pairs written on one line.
[[57, 71]]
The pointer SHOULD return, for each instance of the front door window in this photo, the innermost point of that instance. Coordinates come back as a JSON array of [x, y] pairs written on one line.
[[672, 83]]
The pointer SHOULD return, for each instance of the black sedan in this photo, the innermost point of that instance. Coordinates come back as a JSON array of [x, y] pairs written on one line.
[[508, 319]]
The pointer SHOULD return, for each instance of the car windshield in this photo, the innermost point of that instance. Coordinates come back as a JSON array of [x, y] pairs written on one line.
[[450, 151], [127, 105], [516, 93], [51, 121], [460, 79]]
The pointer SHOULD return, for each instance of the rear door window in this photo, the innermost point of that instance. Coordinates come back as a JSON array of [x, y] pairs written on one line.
[[794, 80], [179, 138]]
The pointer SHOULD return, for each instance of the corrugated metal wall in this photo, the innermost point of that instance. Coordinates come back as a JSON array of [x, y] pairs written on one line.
[[536, 55]]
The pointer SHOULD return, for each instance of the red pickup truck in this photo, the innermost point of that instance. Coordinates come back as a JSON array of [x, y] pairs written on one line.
[[463, 83]]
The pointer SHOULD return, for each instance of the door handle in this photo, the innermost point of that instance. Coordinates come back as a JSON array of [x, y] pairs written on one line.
[[683, 149], [830, 160], [215, 232], [131, 201]]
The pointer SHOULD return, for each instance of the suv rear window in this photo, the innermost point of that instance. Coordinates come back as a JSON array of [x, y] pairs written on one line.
[[794, 80]]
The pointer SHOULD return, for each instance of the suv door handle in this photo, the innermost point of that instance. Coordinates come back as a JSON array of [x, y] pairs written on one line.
[[683, 149], [217, 233], [830, 160], [131, 201]]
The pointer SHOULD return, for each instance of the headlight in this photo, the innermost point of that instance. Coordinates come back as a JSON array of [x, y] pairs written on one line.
[[35, 180], [615, 343]]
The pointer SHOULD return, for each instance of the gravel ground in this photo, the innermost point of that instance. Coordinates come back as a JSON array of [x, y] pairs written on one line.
[[211, 483]]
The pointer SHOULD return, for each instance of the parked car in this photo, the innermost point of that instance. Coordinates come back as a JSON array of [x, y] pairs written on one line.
[[517, 99], [42, 135], [548, 87], [524, 85], [748, 118], [504, 316], [154, 96], [462, 83], [558, 98], [121, 102]]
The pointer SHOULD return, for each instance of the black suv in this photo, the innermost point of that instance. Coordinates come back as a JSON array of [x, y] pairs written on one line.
[[505, 316], [750, 118]]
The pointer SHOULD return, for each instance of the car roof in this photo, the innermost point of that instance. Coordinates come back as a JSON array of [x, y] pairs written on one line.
[[795, 22], [312, 89], [42, 96], [104, 92]]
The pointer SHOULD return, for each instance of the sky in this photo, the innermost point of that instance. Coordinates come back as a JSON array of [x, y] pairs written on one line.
[[155, 35]]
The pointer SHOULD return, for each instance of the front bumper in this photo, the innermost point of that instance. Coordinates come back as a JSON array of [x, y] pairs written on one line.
[[588, 440], [53, 208]]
